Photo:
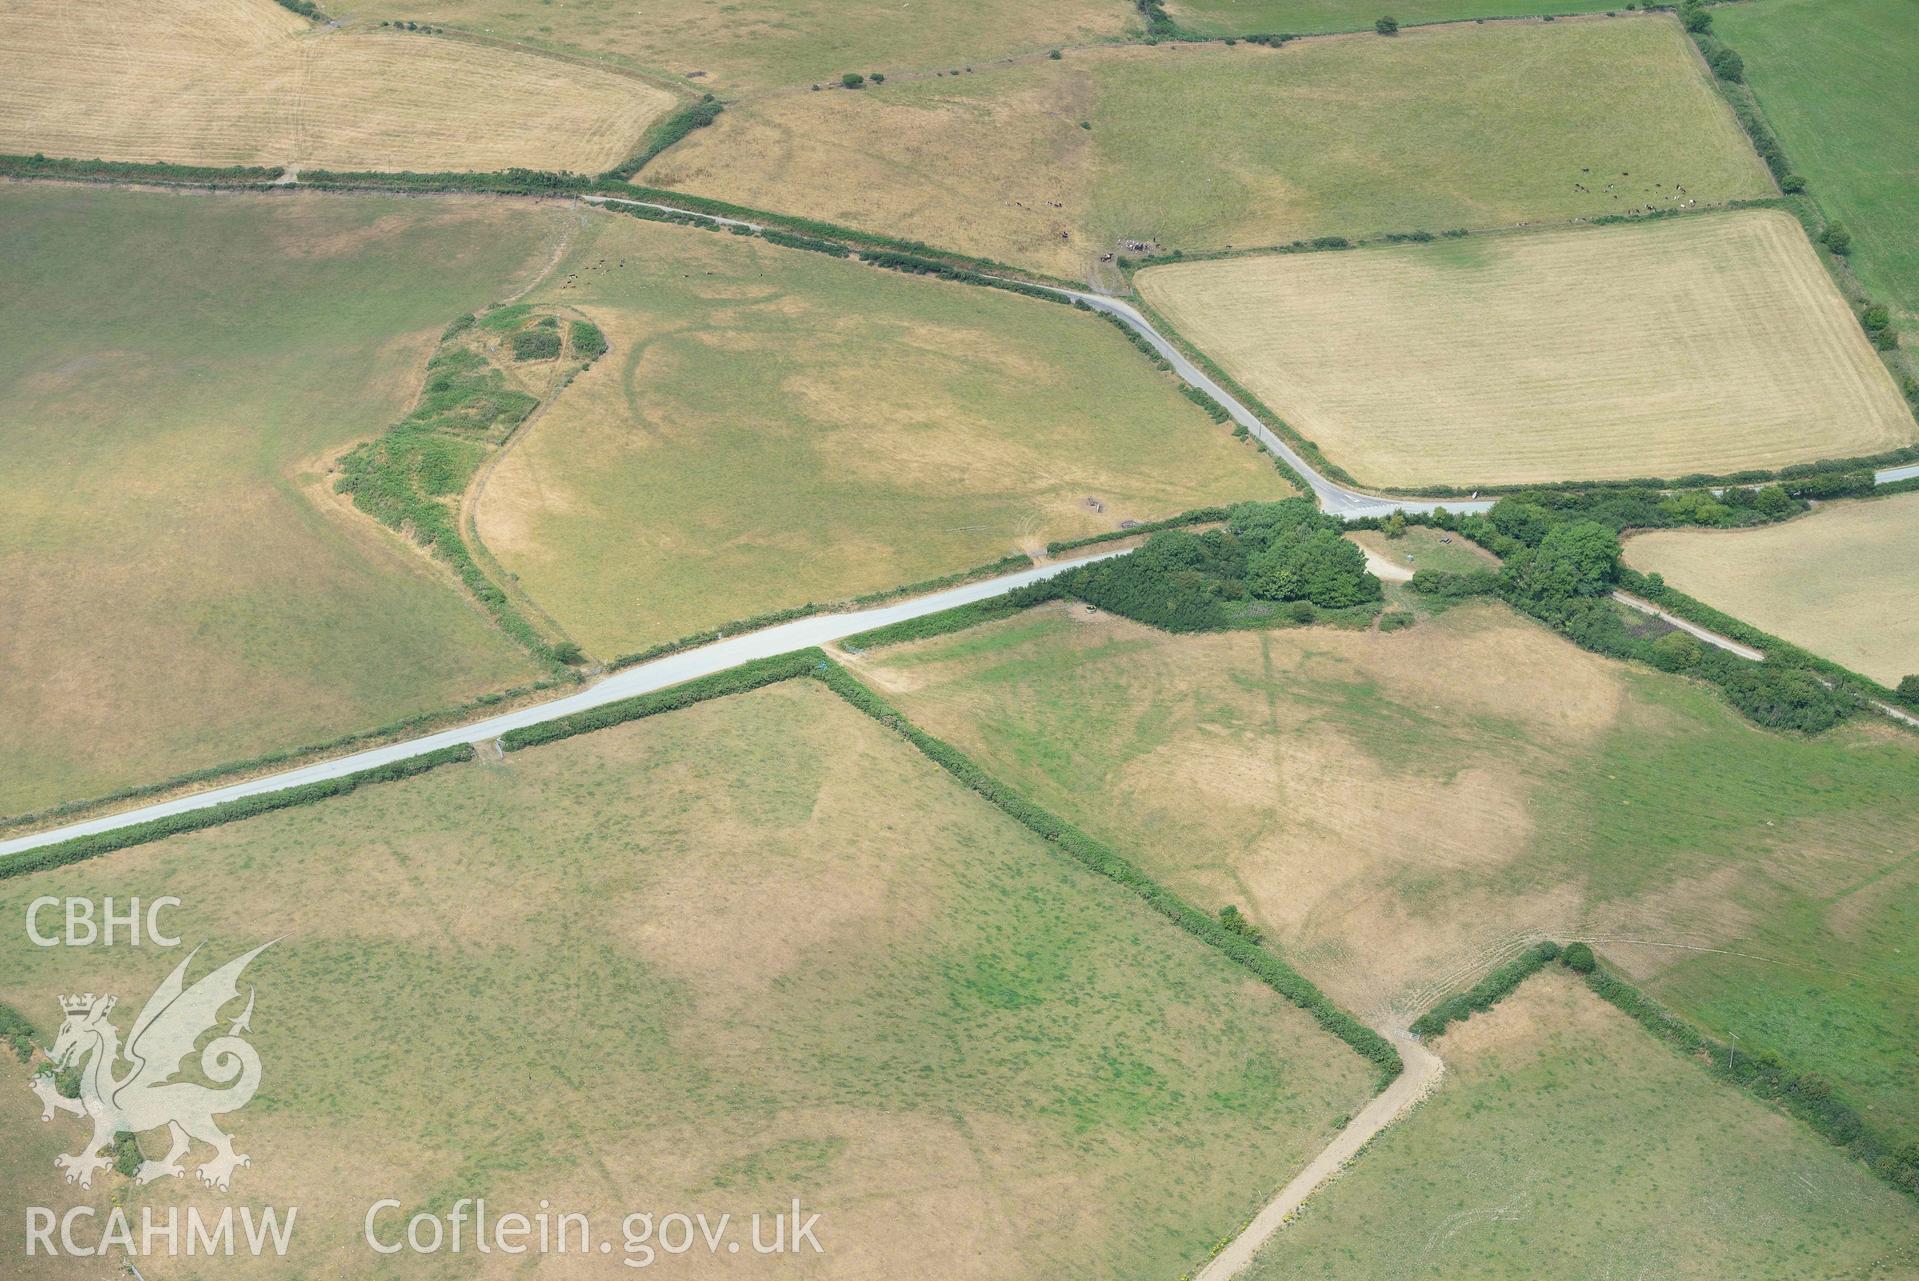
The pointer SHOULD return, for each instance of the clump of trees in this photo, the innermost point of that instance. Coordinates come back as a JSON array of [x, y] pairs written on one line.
[[1562, 564], [1386, 26], [1283, 553], [1236, 922], [537, 343], [1909, 691], [588, 342]]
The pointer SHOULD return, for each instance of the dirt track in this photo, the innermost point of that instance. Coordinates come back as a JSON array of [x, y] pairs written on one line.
[[1423, 1070]]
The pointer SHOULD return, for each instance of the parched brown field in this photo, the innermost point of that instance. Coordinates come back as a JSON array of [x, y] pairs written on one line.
[[1708, 343], [1049, 164], [1400, 812], [1842, 582], [771, 427], [708, 962], [226, 82], [735, 46], [174, 370]]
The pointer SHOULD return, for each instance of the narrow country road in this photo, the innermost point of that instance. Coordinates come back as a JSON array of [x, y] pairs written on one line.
[[1726, 643], [1334, 499], [643, 678], [1423, 1070]]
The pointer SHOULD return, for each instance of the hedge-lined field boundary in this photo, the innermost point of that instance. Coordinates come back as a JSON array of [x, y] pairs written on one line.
[[1254, 405], [957, 619], [98, 843], [1197, 516], [1697, 611], [735, 680], [1804, 1096], [425, 722], [773, 618], [665, 132], [1486, 993], [1101, 858]]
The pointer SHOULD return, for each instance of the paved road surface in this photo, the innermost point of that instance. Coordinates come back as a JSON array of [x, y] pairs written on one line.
[[643, 678], [1334, 499]]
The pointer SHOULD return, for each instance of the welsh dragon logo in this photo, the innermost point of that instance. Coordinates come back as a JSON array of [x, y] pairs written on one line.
[[145, 1096]]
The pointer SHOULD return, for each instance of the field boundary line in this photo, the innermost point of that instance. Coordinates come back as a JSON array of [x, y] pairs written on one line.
[[1407, 1092], [1103, 859], [642, 678]]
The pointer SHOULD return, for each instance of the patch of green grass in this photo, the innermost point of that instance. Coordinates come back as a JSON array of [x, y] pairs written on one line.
[[774, 427], [753, 950], [1435, 130], [733, 45], [1564, 1140], [174, 372], [1392, 809], [1307, 17], [1834, 78]]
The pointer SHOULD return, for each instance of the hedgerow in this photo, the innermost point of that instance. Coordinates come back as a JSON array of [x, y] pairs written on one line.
[[407, 477], [737, 680], [85, 847], [1197, 516], [665, 132], [1486, 993], [1805, 1095], [1100, 858], [772, 618], [957, 619], [425, 722]]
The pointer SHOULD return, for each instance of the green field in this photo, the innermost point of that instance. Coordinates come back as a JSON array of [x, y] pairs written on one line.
[[712, 961], [773, 427], [1401, 812], [1834, 78], [1050, 164], [174, 370], [1565, 1141], [1304, 17], [732, 46]]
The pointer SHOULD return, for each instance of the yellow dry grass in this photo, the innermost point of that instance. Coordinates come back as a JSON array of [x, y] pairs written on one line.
[[1050, 164], [1400, 812], [1842, 582], [223, 82], [1710, 343]]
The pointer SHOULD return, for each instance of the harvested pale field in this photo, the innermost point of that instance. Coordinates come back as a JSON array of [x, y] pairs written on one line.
[[734, 46], [1050, 164], [1564, 1140], [1703, 344], [1842, 582], [232, 82], [772, 427], [710, 962], [1400, 812], [174, 369]]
